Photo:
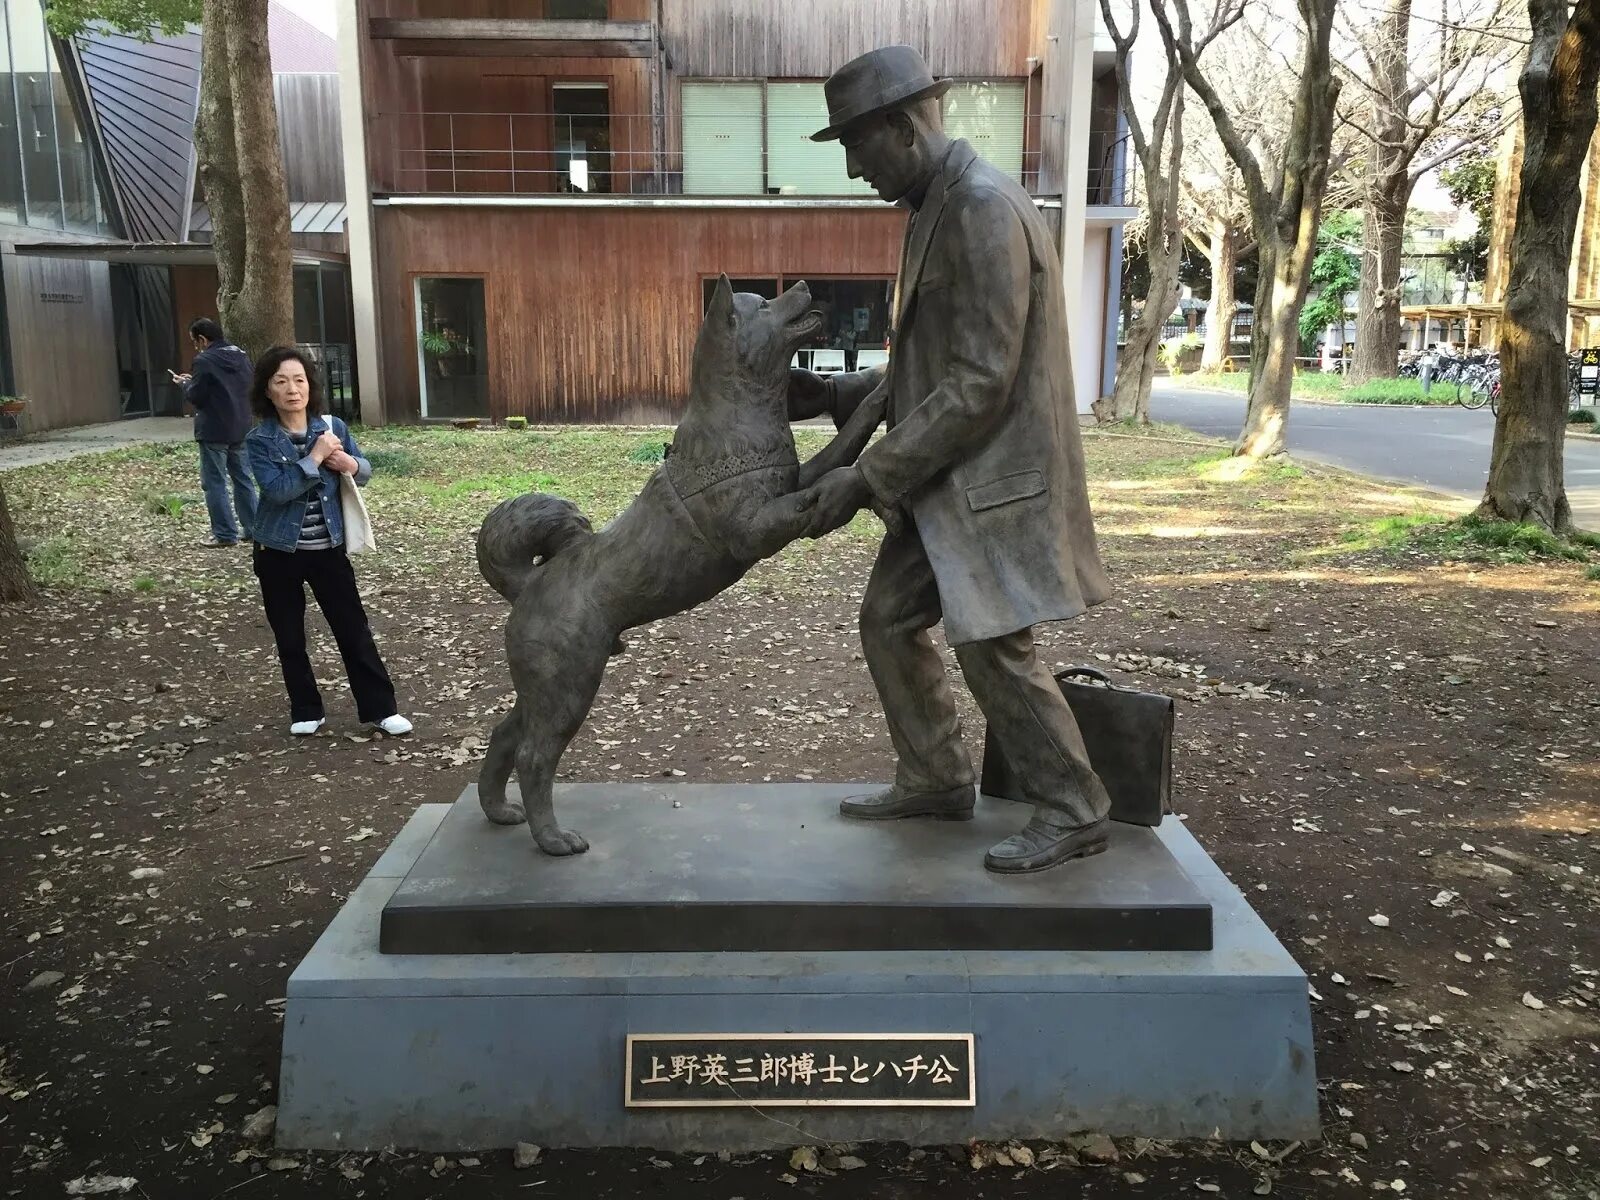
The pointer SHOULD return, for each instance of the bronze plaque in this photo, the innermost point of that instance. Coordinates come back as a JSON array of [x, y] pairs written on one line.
[[790, 1070]]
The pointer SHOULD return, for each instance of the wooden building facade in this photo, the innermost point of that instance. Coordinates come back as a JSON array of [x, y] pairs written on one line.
[[539, 192]]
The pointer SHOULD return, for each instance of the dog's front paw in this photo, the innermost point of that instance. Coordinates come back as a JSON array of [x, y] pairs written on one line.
[[559, 842]]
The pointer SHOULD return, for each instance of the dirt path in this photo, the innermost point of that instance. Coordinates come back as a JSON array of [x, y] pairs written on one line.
[[1362, 733]]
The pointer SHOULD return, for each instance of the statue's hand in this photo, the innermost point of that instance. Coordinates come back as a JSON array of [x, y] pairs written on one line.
[[834, 499]]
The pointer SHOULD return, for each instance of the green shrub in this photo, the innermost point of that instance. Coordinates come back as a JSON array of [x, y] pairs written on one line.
[[1593, 574], [1581, 416], [518, 423]]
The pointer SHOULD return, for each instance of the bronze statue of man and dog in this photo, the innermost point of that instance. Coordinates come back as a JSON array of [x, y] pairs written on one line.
[[979, 478]]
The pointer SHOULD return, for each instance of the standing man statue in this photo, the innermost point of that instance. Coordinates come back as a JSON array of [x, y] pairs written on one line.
[[979, 479]]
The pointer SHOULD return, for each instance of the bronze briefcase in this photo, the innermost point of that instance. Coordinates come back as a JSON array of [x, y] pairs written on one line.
[[1129, 737]]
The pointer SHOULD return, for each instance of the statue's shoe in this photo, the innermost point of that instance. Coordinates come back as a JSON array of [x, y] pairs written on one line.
[[950, 804], [1042, 844]]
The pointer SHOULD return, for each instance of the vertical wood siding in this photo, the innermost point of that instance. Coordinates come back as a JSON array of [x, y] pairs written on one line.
[[810, 39], [63, 344], [592, 313], [308, 128]]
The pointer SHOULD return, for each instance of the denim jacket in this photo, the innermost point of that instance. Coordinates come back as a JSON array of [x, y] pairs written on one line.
[[286, 480]]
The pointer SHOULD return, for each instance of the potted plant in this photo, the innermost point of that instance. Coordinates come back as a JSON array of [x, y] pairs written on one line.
[[12, 405], [443, 346]]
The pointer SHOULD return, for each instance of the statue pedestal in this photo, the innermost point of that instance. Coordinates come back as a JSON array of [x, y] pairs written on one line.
[[1131, 993]]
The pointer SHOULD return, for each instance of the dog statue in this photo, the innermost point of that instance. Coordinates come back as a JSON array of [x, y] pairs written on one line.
[[724, 498]]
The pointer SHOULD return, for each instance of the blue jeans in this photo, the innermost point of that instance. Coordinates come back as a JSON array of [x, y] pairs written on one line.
[[220, 461]]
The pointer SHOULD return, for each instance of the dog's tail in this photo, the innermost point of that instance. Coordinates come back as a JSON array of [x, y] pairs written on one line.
[[521, 534]]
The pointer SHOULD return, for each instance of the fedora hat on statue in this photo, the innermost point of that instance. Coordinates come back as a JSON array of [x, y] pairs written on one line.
[[878, 80]]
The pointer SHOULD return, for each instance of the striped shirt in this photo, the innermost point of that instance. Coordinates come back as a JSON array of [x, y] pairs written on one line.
[[314, 534]]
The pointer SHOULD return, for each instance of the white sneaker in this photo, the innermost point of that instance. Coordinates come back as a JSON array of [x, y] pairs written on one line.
[[307, 728], [394, 726]]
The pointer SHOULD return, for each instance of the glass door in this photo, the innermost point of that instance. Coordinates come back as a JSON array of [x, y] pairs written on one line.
[[452, 358]]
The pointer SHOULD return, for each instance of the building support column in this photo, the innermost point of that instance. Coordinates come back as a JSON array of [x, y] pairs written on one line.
[[1068, 101], [370, 393], [1108, 359]]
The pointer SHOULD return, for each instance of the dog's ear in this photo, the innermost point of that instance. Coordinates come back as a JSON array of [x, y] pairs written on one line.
[[721, 310]]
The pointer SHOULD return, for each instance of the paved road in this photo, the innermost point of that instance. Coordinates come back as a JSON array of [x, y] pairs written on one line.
[[59, 444], [1442, 447]]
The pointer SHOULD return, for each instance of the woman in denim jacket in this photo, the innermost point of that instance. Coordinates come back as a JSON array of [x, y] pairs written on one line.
[[297, 456]]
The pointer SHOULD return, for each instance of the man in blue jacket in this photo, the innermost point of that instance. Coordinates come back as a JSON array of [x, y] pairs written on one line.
[[219, 392]]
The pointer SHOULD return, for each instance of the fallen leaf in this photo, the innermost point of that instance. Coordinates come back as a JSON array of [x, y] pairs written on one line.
[[100, 1185]]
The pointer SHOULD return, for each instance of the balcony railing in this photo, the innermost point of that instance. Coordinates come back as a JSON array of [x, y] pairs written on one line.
[[636, 154], [1113, 171]]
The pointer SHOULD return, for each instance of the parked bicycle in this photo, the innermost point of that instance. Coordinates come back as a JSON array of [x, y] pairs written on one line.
[[1477, 380]]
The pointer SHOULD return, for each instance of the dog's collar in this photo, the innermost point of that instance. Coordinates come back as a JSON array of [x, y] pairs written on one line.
[[690, 479]]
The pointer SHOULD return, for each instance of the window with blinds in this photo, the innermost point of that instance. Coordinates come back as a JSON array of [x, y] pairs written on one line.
[[990, 114], [797, 166], [754, 138], [722, 139]]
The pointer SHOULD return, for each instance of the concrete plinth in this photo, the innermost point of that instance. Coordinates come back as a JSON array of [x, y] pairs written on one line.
[[476, 1051]]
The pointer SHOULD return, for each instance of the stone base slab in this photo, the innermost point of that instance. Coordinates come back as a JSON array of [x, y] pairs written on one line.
[[451, 1052]]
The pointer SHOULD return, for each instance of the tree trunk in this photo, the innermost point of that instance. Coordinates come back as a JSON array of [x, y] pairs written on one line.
[[1377, 354], [265, 307], [1223, 252], [1388, 191], [1286, 240], [241, 167], [15, 583], [1283, 213], [1136, 369], [1266, 416], [218, 161], [1558, 86]]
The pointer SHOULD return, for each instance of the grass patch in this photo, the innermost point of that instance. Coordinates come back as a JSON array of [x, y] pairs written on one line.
[[1166, 501], [1470, 538], [166, 504], [1389, 533], [648, 452], [1314, 385], [392, 460], [1192, 466], [54, 562], [1593, 574], [493, 487], [1395, 391], [1581, 416]]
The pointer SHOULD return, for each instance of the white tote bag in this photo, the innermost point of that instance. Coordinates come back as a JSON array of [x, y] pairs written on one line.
[[358, 535]]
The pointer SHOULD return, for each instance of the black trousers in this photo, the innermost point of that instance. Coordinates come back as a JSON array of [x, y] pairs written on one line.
[[283, 579]]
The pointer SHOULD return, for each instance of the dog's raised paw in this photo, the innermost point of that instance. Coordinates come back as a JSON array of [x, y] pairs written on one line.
[[559, 842], [504, 812]]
